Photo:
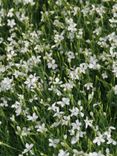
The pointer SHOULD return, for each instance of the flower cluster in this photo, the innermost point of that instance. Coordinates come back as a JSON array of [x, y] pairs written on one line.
[[58, 78]]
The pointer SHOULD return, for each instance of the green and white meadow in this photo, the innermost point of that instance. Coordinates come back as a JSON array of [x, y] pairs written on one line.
[[58, 78]]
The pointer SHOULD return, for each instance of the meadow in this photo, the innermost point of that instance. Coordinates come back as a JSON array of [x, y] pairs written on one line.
[[58, 78]]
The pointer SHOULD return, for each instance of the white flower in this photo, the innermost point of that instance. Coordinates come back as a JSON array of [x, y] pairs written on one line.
[[104, 75], [52, 64], [34, 117], [83, 68], [65, 101], [11, 23], [63, 153], [114, 67], [18, 73], [65, 120], [78, 153], [115, 89], [53, 142], [18, 108], [111, 141], [28, 2], [68, 86], [57, 81], [107, 135], [4, 103], [54, 108], [74, 74], [75, 10], [10, 13], [31, 81], [93, 63], [58, 114], [88, 123], [97, 31], [88, 86], [6, 84], [98, 140], [28, 148], [95, 154], [70, 56], [79, 34], [41, 128], [76, 138], [74, 111], [76, 125], [58, 38], [71, 25], [59, 2], [25, 131]]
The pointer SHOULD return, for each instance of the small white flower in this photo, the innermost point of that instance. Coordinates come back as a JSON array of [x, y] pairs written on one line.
[[71, 25], [58, 38], [76, 138], [68, 86], [104, 75], [65, 101], [88, 86], [93, 63], [65, 120], [34, 117], [78, 153], [17, 107], [74, 111], [10, 13], [31, 81], [97, 31], [54, 108], [6, 84], [28, 2], [76, 125], [52, 64], [115, 89], [53, 142], [114, 67], [95, 154], [63, 153], [74, 75], [41, 128], [98, 140], [88, 123], [57, 81], [4, 103], [83, 68], [11, 23], [28, 148], [70, 56], [79, 34]]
